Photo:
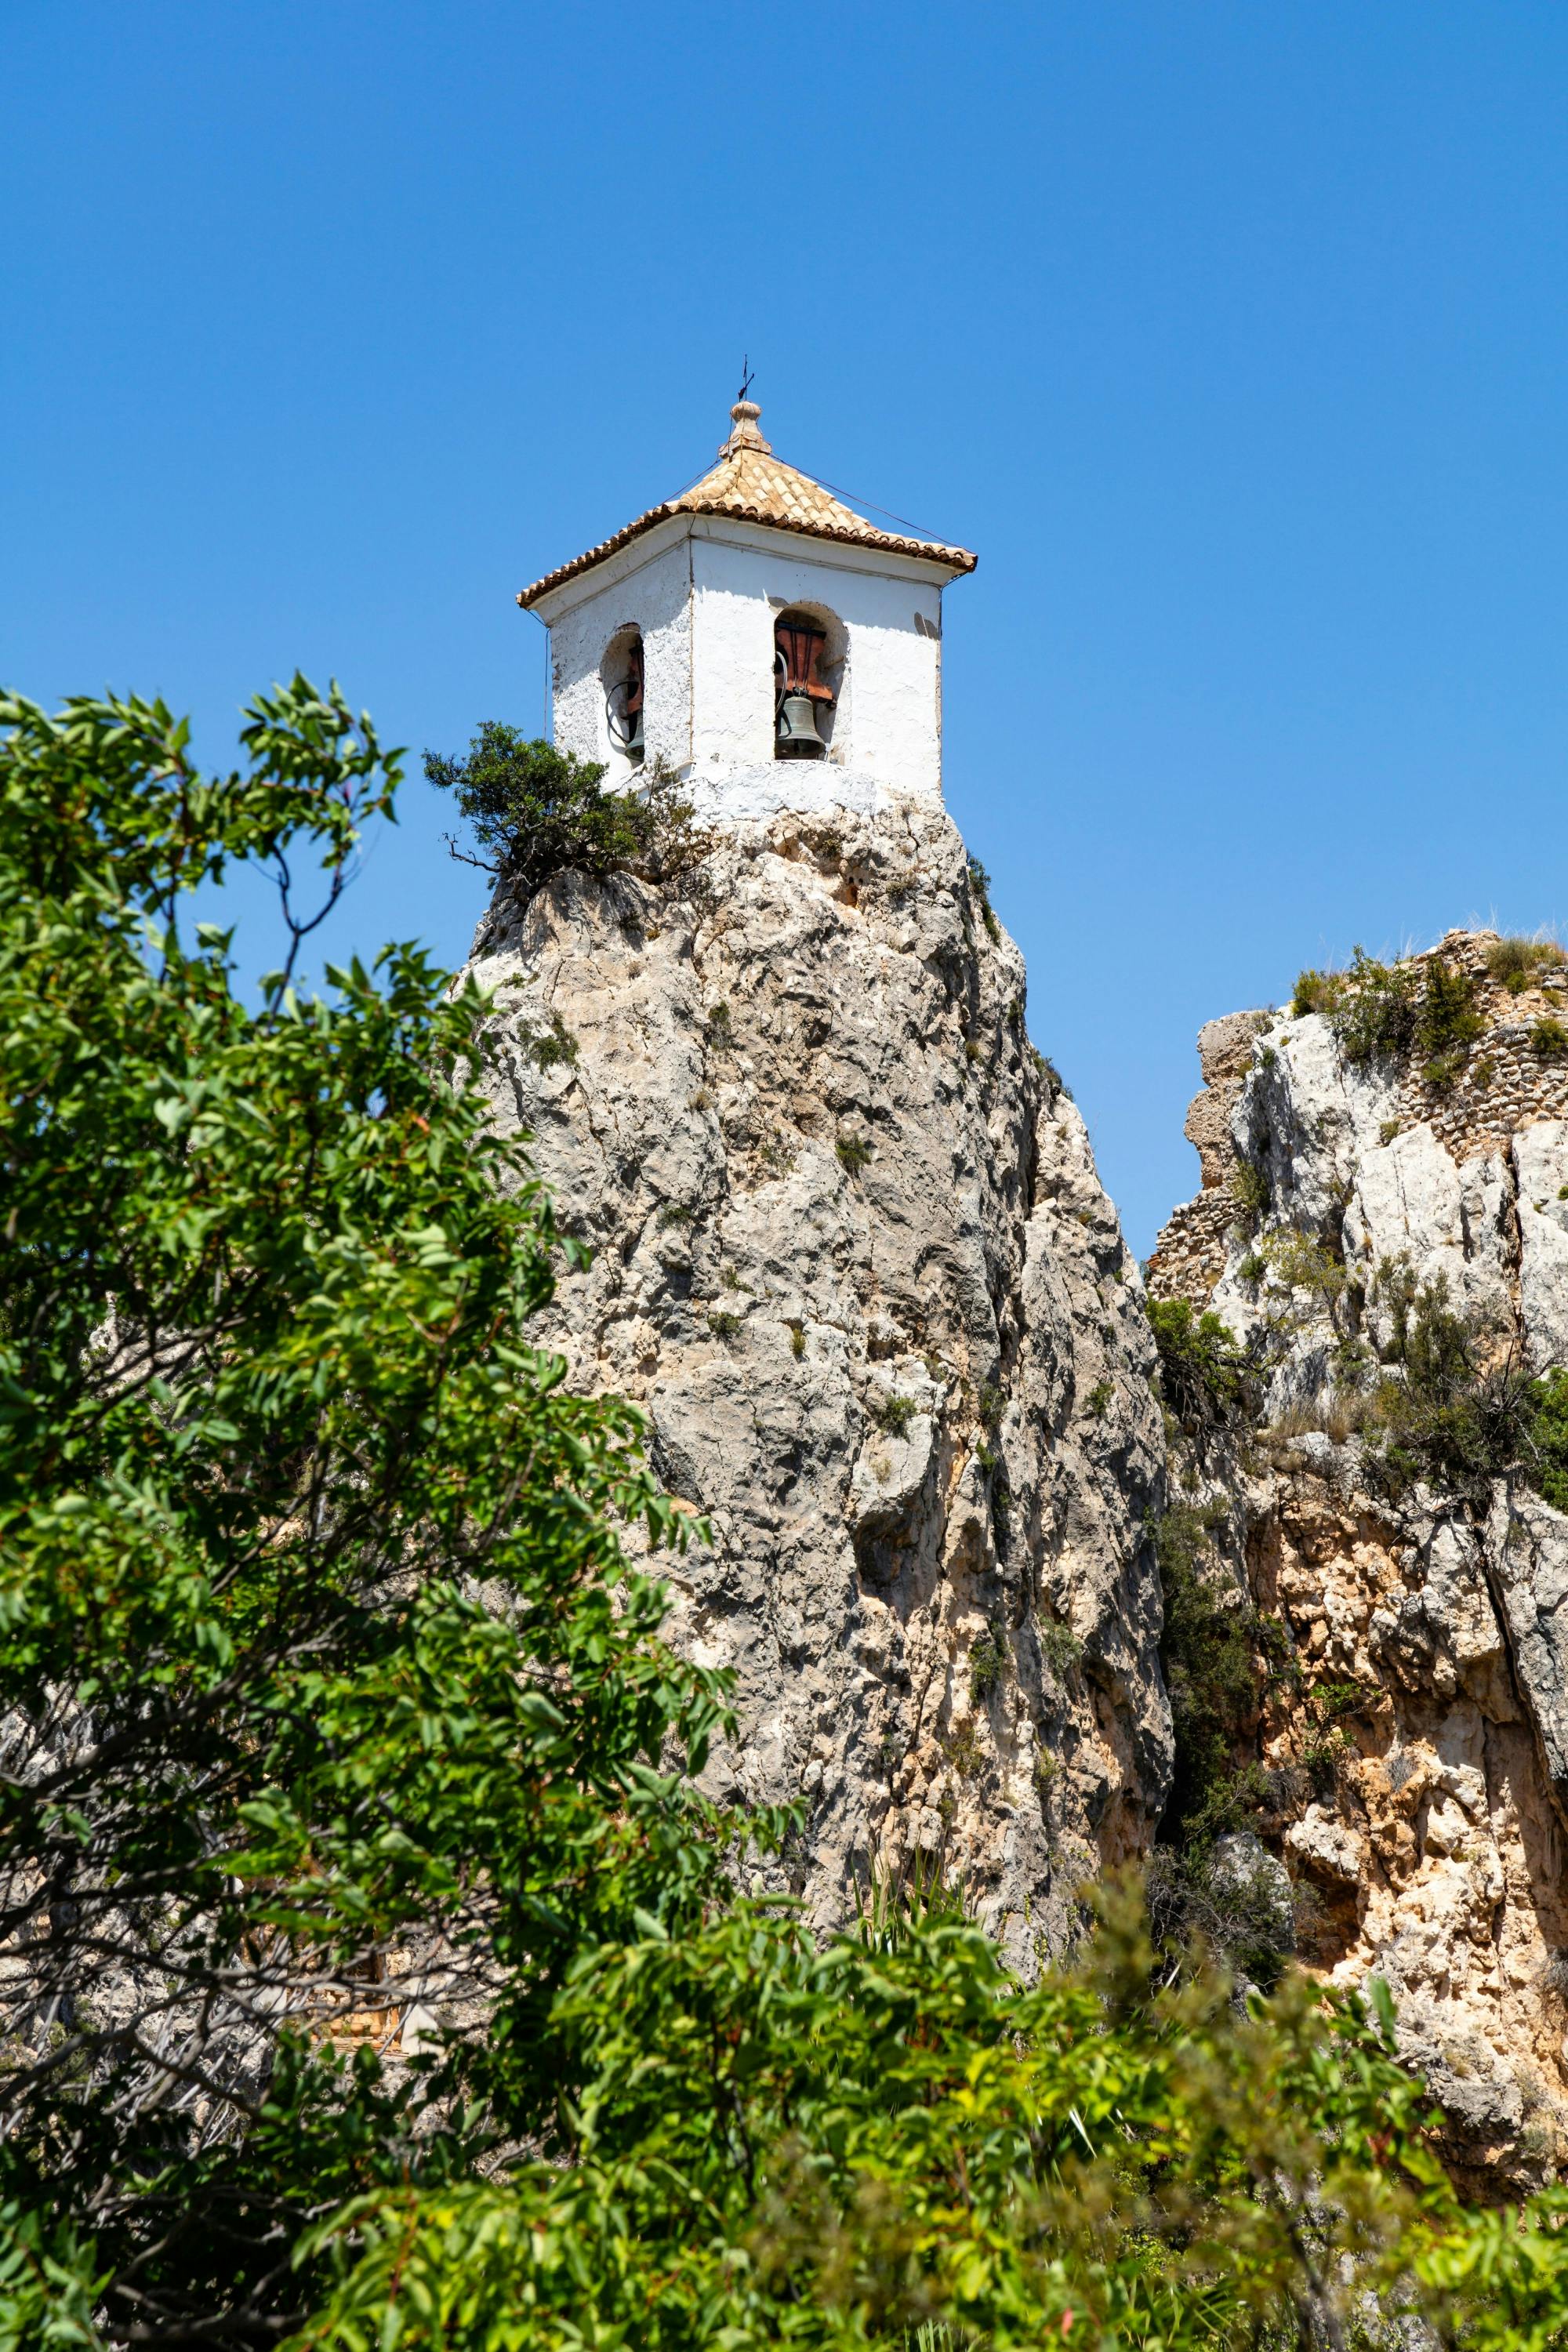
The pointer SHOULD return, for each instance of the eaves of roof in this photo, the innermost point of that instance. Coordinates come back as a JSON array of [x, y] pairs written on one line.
[[750, 485]]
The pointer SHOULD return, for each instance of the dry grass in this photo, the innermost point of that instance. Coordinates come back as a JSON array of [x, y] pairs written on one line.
[[1519, 962], [1335, 1413]]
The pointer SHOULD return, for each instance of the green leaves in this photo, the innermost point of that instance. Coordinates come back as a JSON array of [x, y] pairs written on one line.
[[535, 811], [855, 2145], [332, 1692], [47, 2285], [1206, 1378]]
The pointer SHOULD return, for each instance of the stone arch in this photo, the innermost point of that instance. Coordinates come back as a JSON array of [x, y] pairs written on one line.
[[623, 680], [811, 654]]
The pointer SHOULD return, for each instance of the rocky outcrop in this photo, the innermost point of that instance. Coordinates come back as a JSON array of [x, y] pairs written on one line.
[[851, 1258], [1414, 1741], [1413, 1809], [1525, 1551]]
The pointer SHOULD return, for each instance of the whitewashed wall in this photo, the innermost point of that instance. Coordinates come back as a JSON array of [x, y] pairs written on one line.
[[706, 594], [649, 587]]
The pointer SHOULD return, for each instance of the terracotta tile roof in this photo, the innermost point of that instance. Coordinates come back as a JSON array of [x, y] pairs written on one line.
[[754, 486]]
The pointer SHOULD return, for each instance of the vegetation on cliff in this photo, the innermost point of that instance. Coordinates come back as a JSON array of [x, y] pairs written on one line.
[[374, 1972], [534, 811]]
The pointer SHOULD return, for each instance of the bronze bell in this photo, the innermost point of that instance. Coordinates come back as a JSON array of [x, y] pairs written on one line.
[[798, 734], [798, 649]]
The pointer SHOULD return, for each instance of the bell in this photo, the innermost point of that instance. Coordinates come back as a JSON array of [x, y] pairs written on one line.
[[797, 735], [798, 649], [624, 706]]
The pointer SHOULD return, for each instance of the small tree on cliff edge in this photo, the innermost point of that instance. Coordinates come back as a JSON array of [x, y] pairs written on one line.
[[535, 811]]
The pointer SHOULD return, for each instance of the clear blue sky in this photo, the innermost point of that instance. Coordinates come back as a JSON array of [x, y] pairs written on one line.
[[1232, 334]]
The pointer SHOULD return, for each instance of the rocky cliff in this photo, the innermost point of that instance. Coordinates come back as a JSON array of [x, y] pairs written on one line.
[[1385, 1178], [851, 1256]]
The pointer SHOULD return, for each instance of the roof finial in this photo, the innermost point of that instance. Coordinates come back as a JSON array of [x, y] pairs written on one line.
[[743, 415]]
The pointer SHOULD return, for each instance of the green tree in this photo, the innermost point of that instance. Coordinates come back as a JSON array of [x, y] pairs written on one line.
[[889, 2142], [328, 1694], [535, 811], [1207, 1380], [1549, 1432]]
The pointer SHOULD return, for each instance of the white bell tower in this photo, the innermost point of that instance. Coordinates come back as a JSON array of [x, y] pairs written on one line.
[[775, 648]]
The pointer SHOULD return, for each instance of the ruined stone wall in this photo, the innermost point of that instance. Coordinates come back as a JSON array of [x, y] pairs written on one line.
[[1505, 1084], [1189, 1256]]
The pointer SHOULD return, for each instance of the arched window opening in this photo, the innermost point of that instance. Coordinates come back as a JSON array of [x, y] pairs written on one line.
[[808, 664], [622, 673]]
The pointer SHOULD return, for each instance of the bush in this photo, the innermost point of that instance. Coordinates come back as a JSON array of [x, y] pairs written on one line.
[[889, 2143], [1054, 1082], [1206, 1378], [965, 1751], [895, 1413], [1549, 1038], [1335, 1701], [1435, 1345], [277, 1419], [1251, 1190], [854, 1152], [1315, 992], [1059, 1646], [1301, 1262], [980, 885], [1449, 1417], [1216, 1674], [549, 1048], [1444, 1071], [1001, 1510], [1374, 1014], [1229, 1895], [1379, 1010], [987, 1659], [1549, 1438], [1517, 961], [1447, 1024], [536, 812], [329, 1689], [1448, 1017]]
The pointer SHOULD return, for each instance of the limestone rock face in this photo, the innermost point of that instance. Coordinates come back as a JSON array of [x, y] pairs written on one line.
[[1421, 1742], [1427, 1847], [1526, 1550], [852, 1259]]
